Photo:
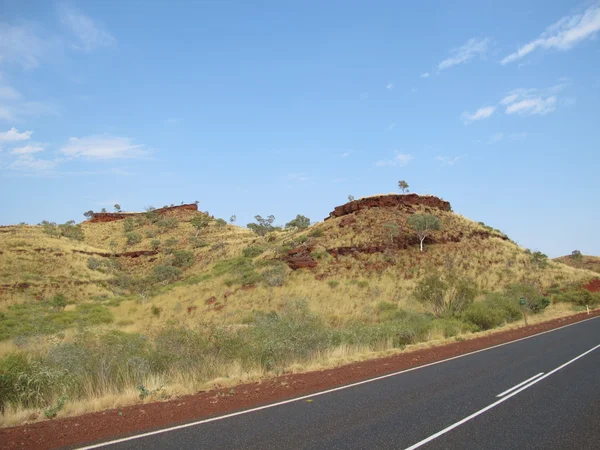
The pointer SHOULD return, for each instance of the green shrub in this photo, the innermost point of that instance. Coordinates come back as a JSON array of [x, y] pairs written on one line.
[[167, 223], [128, 225], [133, 238], [451, 326], [183, 258], [252, 251], [535, 301], [155, 244], [275, 275], [221, 222], [240, 271], [333, 283], [71, 231], [484, 316], [578, 296], [165, 274], [362, 284], [316, 232], [156, 310], [94, 264]]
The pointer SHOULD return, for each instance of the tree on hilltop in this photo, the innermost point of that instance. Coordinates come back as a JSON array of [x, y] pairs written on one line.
[[423, 225], [301, 222], [351, 198], [88, 214], [262, 225], [117, 208], [403, 185], [199, 222], [576, 256]]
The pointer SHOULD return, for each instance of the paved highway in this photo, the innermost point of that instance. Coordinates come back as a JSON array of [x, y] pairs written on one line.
[[538, 393]]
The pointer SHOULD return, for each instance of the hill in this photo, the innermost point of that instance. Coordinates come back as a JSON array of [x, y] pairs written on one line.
[[171, 299], [586, 262]]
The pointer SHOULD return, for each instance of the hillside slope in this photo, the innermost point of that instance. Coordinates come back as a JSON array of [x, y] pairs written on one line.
[[586, 262]]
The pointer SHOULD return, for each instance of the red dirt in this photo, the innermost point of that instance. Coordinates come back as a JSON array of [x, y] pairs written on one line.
[[137, 418], [405, 201], [593, 286], [111, 217]]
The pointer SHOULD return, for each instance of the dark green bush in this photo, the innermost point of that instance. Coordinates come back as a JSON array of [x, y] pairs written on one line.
[[133, 238], [183, 258], [252, 251]]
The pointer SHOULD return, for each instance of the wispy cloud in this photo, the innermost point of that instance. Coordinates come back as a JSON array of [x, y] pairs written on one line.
[[27, 149], [401, 160], [13, 135], [297, 177], [473, 47], [345, 154], [564, 34], [391, 126], [532, 101], [425, 75], [103, 147], [24, 46], [482, 113], [364, 95], [499, 137], [89, 34], [448, 161], [31, 163], [389, 85]]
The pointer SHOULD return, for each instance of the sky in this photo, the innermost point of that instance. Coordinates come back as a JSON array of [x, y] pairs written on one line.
[[284, 108]]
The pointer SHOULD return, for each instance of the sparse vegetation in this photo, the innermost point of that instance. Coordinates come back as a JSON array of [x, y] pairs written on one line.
[[300, 222], [403, 186], [423, 225], [263, 226]]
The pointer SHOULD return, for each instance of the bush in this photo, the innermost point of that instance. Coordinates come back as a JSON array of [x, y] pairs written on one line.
[[301, 222], [133, 238], [128, 225], [275, 275], [316, 232], [166, 274], [578, 296], [535, 301], [448, 296], [167, 223], [333, 283], [183, 258], [240, 270], [221, 222], [155, 244], [483, 316], [94, 264], [252, 251], [451, 326]]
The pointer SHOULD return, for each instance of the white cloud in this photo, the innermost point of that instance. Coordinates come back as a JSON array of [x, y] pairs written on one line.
[[89, 34], [473, 47], [564, 34], [498, 137], [13, 135], [345, 155], [9, 93], [425, 75], [481, 113], [448, 161], [532, 101], [28, 162], [400, 160], [22, 45], [297, 177], [391, 126], [103, 147], [389, 86], [27, 149]]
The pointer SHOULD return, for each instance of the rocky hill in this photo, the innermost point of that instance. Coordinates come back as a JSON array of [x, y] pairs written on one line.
[[586, 262]]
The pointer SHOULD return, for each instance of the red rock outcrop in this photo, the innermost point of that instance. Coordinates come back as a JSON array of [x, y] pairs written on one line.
[[593, 286], [132, 254], [300, 258], [111, 217], [404, 201]]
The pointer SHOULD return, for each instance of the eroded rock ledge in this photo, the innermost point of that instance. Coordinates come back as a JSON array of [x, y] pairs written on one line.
[[390, 201]]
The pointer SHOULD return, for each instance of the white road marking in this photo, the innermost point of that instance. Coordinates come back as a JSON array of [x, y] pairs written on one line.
[[520, 384], [493, 405], [316, 394]]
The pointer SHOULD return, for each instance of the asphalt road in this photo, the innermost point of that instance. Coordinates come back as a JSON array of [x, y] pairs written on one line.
[[449, 405]]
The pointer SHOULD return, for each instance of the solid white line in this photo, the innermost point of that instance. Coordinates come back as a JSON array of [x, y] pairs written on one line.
[[493, 405], [520, 384], [316, 394]]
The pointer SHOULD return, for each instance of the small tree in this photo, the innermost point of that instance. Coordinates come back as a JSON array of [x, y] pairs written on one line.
[[103, 210], [539, 259], [403, 185], [58, 302], [448, 296], [262, 225], [576, 256], [301, 222], [232, 219], [151, 214], [392, 229], [88, 214], [199, 222], [117, 208], [423, 225], [196, 202], [166, 274], [351, 198]]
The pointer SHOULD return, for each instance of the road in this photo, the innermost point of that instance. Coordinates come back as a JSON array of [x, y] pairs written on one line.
[[460, 403]]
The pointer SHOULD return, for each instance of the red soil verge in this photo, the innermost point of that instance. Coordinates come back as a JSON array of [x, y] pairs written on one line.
[[593, 286], [94, 427]]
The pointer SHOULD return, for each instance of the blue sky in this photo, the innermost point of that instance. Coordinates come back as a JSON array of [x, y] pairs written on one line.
[[256, 107]]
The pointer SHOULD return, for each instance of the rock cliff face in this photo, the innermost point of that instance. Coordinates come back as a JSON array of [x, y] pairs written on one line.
[[111, 217], [404, 201]]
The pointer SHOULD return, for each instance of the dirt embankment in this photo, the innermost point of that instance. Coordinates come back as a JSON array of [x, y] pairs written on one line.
[[401, 201], [111, 217], [113, 423]]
